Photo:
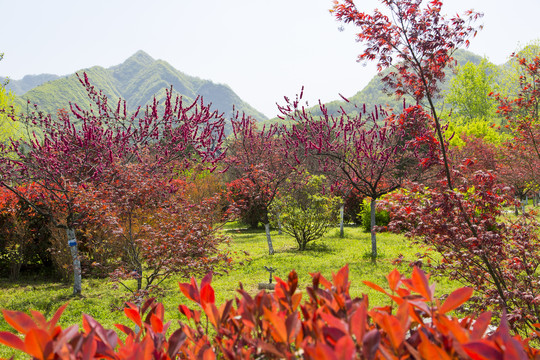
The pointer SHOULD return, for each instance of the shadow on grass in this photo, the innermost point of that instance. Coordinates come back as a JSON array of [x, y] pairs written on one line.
[[242, 231], [312, 249], [53, 284], [367, 255]]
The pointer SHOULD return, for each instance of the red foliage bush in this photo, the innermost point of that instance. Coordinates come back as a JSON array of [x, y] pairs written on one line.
[[500, 259], [248, 201], [329, 324], [24, 239]]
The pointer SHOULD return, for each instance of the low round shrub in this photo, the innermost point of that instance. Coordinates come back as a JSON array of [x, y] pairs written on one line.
[[382, 217]]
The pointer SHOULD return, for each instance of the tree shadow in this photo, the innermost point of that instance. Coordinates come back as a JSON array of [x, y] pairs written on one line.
[[246, 231], [311, 249], [51, 283]]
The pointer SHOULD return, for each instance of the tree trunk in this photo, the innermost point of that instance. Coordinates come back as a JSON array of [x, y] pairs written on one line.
[[15, 270], [341, 216], [72, 242], [373, 235], [139, 278], [269, 238]]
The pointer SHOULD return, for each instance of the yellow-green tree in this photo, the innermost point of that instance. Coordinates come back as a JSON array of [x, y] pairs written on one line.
[[470, 88], [8, 127]]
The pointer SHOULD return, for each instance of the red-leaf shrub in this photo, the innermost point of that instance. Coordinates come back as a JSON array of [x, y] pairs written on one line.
[[246, 201], [499, 259], [24, 238], [327, 324]]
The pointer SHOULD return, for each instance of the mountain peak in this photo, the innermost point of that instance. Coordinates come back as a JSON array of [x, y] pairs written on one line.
[[141, 57], [132, 66]]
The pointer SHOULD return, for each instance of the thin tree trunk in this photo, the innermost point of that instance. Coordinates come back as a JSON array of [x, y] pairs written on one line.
[[373, 235], [341, 216], [269, 238], [72, 242], [15, 270]]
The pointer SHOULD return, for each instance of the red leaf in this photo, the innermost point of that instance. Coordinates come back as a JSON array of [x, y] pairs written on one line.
[[428, 350], [375, 286], [185, 310], [125, 329], [341, 279], [345, 348], [19, 321], [482, 350], [322, 352], [206, 280], [480, 325], [157, 324], [56, 316], [456, 299], [371, 344], [391, 325], [11, 340], [38, 343], [207, 295], [358, 321], [278, 323], [420, 284], [134, 316], [175, 342], [190, 291], [393, 279]]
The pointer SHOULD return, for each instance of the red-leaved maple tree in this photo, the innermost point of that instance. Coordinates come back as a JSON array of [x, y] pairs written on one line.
[[417, 42]]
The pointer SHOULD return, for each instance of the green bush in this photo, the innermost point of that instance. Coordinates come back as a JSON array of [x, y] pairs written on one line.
[[382, 217], [304, 211]]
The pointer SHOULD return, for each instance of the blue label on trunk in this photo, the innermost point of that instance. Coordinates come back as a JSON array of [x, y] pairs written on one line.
[[72, 242]]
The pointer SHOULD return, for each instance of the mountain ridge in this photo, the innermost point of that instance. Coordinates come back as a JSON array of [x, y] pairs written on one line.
[[137, 80]]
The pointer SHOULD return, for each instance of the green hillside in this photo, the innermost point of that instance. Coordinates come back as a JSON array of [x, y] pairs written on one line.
[[373, 93], [137, 80], [28, 82]]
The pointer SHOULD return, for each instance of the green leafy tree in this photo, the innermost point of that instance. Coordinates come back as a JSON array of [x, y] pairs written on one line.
[[306, 213], [470, 88], [480, 128], [8, 128]]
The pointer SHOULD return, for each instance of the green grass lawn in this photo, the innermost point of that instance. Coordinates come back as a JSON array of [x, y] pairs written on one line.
[[326, 256]]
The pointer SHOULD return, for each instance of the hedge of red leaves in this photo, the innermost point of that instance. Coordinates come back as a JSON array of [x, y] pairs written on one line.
[[328, 324]]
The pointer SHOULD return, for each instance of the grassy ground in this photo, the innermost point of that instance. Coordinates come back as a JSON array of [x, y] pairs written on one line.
[[325, 256]]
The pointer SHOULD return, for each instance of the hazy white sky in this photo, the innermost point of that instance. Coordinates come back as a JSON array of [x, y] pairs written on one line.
[[263, 49]]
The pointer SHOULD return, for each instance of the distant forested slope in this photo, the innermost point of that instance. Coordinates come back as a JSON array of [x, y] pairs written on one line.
[[137, 80]]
